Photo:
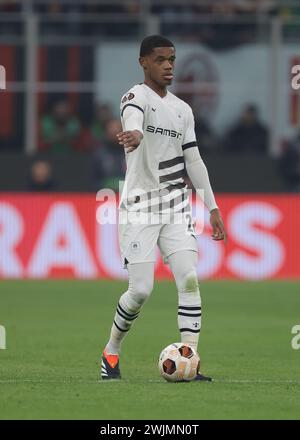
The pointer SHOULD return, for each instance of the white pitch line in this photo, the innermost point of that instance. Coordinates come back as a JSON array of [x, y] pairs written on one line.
[[258, 381], [132, 381], [43, 381]]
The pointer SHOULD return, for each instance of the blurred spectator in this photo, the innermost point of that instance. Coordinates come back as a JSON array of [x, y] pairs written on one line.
[[249, 134], [103, 114], [10, 26], [41, 176], [132, 9], [175, 18], [289, 164], [10, 6], [60, 130], [289, 10], [92, 137], [52, 25], [245, 7], [228, 30], [103, 8], [290, 13], [206, 138], [235, 21], [63, 19], [109, 158], [113, 26]]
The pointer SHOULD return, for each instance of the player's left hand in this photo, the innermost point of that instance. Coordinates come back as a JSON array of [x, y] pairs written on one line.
[[217, 223], [130, 139]]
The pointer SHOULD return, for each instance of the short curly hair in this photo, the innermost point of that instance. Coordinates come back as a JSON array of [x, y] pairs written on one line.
[[152, 41]]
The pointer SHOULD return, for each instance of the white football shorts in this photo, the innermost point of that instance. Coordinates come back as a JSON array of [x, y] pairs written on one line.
[[138, 241]]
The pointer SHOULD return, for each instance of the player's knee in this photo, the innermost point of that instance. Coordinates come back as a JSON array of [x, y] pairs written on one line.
[[142, 290], [189, 282]]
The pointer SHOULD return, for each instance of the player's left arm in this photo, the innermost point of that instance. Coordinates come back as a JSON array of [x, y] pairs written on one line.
[[198, 175]]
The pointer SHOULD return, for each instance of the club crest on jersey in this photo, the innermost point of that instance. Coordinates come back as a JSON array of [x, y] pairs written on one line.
[[127, 97], [163, 131]]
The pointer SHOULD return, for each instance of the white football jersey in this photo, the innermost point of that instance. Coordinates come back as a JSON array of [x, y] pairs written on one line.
[[155, 169]]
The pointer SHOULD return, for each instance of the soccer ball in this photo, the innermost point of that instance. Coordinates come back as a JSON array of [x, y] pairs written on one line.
[[178, 363]]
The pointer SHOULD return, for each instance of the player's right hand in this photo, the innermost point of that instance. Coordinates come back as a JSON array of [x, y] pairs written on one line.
[[130, 139]]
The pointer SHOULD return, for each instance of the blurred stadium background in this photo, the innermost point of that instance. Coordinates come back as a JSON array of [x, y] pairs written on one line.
[[67, 64]]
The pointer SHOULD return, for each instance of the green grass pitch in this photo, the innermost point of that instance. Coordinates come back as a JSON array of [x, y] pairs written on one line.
[[56, 329]]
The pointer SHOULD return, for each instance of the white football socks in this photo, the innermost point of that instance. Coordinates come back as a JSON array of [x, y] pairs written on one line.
[[126, 313], [139, 289], [183, 266]]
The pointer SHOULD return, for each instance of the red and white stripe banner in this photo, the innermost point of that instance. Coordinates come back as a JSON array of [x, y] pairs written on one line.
[[58, 236]]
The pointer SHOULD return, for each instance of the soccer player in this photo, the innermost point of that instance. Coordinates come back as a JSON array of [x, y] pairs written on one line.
[[159, 139]]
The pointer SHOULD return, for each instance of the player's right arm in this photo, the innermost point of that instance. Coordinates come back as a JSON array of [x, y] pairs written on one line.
[[132, 118], [130, 139]]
